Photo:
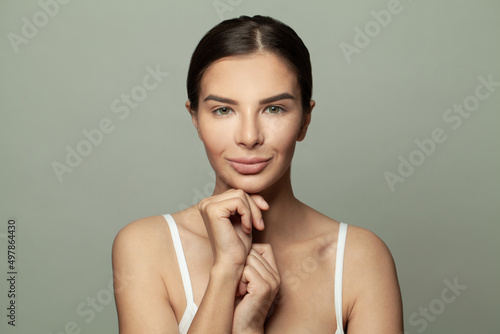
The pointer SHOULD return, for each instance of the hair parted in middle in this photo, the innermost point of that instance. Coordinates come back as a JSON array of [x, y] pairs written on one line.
[[246, 35]]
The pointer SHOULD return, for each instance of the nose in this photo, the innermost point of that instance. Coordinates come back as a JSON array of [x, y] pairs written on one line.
[[250, 132]]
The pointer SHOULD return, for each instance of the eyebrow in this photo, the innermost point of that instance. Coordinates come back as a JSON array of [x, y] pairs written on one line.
[[282, 96]]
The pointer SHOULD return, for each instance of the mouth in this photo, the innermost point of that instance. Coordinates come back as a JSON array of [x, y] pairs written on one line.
[[249, 166]]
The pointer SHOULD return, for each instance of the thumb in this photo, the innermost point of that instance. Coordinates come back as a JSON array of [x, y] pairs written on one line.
[[242, 289], [242, 286]]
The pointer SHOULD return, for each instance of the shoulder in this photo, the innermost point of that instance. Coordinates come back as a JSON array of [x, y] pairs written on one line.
[[371, 282], [367, 259], [365, 247], [145, 246], [139, 245], [140, 255], [140, 235]]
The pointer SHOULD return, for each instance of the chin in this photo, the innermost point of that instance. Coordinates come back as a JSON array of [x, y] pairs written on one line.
[[251, 184], [248, 187], [252, 189]]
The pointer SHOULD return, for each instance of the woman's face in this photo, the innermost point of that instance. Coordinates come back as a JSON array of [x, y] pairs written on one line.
[[249, 119]]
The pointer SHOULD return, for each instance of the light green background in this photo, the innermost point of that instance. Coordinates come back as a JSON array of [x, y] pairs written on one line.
[[440, 224]]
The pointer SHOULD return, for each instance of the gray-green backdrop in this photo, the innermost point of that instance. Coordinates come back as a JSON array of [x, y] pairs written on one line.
[[404, 141]]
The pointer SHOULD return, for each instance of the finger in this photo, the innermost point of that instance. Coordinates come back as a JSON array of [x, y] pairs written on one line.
[[260, 284], [260, 201], [256, 204], [266, 251], [258, 257], [254, 213], [236, 205], [254, 218], [267, 272], [242, 289], [251, 276], [263, 205]]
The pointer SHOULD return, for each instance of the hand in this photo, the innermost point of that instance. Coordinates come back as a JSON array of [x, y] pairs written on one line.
[[259, 285], [229, 218]]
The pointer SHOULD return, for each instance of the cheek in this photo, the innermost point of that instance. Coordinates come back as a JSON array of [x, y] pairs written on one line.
[[284, 133], [214, 136]]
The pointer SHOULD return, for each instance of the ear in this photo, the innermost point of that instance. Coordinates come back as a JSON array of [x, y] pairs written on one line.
[[194, 115], [306, 119]]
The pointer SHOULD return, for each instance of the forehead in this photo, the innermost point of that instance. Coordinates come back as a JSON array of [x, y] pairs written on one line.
[[256, 75]]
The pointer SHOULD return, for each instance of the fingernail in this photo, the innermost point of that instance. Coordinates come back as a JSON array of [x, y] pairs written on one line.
[[262, 223]]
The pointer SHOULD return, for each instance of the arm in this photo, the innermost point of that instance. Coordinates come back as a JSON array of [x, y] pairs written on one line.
[[215, 314], [258, 282], [259, 285], [141, 297], [230, 238], [377, 306]]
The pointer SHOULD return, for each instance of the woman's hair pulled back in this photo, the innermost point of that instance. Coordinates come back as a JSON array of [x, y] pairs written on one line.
[[246, 35]]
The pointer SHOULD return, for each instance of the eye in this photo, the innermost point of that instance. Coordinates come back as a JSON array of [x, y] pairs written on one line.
[[274, 110], [222, 111]]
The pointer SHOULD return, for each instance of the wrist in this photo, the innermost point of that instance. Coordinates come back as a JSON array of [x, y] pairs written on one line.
[[260, 331], [226, 273], [250, 331]]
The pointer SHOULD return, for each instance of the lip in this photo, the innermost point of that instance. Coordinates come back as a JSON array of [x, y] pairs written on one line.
[[249, 165]]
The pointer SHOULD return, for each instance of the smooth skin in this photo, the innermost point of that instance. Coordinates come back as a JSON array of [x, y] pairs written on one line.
[[260, 261]]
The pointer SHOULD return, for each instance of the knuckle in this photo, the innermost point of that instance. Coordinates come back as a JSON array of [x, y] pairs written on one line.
[[209, 206], [251, 258], [269, 289], [266, 288], [278, 280], [240, 193], [202, 205], [268, 249], [241, 201]]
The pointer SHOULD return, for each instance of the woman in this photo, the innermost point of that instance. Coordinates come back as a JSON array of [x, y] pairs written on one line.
[[252, 258]]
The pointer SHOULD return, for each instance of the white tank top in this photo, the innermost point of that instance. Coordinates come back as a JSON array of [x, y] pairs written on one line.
[[191, 307]]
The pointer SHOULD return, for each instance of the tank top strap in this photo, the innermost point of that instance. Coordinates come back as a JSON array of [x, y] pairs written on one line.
[[339, 264], [181, 259]]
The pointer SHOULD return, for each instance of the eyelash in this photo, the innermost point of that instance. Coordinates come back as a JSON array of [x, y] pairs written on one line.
[[217, 113], [282, 110]]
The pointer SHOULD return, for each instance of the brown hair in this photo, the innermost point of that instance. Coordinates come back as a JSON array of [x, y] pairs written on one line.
[[246, 35]]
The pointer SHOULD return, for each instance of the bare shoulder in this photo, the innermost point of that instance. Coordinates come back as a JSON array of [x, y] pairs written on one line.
[[141, 235], [367, 259], [138, 245], [146, 226], [140, 255], [371, 284], [150, 232], [364, 247]]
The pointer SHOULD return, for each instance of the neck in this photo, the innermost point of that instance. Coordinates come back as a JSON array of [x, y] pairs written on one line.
[[284, 209]]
